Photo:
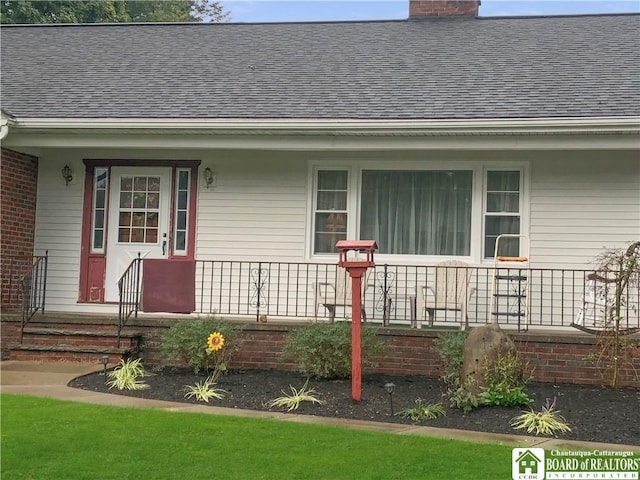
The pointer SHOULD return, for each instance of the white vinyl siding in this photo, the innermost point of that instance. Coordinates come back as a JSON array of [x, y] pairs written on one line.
[[256, 212], [58, 228], [575, 203], [582, 203]]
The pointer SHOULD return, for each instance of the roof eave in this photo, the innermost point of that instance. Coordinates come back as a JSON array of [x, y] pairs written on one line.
[[494, 126]]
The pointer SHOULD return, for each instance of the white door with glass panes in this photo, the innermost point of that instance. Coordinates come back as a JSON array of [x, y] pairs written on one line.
[[139, 216]]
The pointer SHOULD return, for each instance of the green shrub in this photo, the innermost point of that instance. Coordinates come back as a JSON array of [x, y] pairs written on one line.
[[460, 391], [186, 342], [450, 347], [324, 350]]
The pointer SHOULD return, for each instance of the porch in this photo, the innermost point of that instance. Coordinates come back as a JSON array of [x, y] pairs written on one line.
[[270, 299], [447, 295], [511, 295]]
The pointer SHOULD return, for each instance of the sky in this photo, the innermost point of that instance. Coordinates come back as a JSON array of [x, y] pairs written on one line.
[[330, 10]]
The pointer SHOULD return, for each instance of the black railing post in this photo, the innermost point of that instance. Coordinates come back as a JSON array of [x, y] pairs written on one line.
[[137, 289], [44, 284], [259, 288]]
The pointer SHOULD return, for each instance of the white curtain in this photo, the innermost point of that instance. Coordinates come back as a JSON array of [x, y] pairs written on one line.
[[417, 212]]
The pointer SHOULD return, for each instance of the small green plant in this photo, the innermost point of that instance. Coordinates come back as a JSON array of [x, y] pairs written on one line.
[[423, 411], [205, 390], [505, 381], [547, 421], [292, 401], [188, 341], [324, 350], [126, 376], [461, 394], [506, 397]]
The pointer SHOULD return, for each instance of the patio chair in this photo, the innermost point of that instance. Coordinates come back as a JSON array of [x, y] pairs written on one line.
[[449, 291], [333, 294], [597, 311]]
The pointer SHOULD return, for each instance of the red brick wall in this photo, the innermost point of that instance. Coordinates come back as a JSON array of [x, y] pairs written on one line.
[[18, 188], [438, 8], [554, 358]]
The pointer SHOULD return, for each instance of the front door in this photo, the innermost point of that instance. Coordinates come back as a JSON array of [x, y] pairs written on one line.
[[138, 220]]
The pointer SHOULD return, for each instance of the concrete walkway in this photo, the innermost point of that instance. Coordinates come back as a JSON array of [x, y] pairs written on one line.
[[50, 379]]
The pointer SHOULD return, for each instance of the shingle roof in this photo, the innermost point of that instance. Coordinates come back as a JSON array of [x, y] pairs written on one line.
[[527, 67]]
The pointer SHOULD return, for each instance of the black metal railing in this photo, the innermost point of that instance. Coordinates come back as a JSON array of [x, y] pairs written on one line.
[[33, 290], [129, 293], [522, 298]]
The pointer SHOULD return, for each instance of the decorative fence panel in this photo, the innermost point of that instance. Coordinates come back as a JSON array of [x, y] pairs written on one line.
[[531, 298]]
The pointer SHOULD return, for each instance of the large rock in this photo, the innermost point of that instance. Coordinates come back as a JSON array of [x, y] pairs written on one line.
[[481, 349]]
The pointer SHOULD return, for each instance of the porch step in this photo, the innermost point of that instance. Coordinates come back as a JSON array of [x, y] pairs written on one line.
[[52, 336], [68, 342], [69, 353]]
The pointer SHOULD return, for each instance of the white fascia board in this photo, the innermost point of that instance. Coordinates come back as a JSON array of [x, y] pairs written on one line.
[[538, 126]]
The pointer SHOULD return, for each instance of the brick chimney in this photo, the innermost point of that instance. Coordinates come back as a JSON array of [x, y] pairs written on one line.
[[443, 8]]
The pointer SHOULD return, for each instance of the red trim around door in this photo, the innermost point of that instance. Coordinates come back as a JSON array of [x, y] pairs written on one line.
[[93, 265]]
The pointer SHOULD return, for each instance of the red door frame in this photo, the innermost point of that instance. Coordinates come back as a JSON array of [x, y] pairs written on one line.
[[93, 265]]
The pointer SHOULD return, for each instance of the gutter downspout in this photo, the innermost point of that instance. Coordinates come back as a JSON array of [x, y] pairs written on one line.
[[4, 126]]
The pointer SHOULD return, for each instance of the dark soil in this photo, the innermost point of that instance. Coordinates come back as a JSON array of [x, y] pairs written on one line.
[[595, 414]]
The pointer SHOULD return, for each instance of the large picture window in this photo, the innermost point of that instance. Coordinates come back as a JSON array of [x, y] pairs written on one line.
[[417, 212]]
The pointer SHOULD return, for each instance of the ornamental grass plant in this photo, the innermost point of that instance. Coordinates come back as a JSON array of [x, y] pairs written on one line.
[[547, 421], [293, 400], [126, 376]]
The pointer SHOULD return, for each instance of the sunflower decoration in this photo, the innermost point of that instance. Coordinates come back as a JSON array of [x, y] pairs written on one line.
[[215, 342]]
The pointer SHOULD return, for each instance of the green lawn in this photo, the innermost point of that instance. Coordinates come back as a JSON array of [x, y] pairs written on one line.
[[50, 439]]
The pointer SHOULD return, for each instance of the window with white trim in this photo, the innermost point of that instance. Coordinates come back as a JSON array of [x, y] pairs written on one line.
[[183, 181], [417, 212], [330, 209], [502, 211], [100, 193]]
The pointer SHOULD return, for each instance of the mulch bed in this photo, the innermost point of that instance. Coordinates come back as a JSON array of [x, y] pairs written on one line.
[[596, 414]]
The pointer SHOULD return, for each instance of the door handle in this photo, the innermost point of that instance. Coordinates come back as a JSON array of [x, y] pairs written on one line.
[[164, 244]]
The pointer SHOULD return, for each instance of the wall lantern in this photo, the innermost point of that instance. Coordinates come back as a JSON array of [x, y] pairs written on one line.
[[67, 174], [210, 177]]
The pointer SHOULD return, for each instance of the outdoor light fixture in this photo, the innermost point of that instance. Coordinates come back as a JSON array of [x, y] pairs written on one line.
[[209, 177], [389, 388], [67, 174], [105, 361]]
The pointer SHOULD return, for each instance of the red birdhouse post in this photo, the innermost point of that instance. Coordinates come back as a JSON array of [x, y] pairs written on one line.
[[356, 265]]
